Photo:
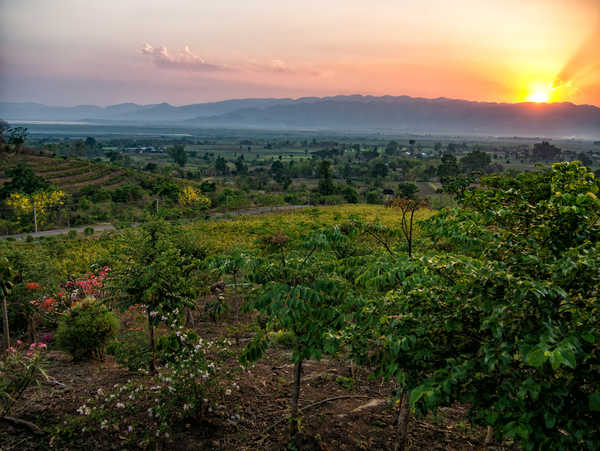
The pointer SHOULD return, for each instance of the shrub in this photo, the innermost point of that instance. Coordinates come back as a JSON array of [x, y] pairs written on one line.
[[85, 330], [131, 349], [171, 345], [20, 368], [72, 234], [88, 231]]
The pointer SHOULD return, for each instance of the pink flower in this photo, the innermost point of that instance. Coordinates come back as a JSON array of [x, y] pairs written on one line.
[[32, 346], [42, 345], [29, 354], [19, 342]]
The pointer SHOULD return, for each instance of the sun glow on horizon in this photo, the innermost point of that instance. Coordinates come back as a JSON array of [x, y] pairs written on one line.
[[540, 93]]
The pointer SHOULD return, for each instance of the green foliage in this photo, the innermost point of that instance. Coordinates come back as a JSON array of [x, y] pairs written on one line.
[[86, 329], [23, 180], [177, 153], [475, 161], [507, 322], [407, 190], [131, 349], [21, 367], [169, 346]]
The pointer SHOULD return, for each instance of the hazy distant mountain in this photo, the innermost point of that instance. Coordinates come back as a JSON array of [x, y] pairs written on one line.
[[351, 113]]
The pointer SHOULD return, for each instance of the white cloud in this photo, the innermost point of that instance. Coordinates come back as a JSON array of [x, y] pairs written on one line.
[[183, 59]]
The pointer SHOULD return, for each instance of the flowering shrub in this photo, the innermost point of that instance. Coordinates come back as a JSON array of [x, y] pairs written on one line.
[[20, 367], [86, 329], [190, 197], [145, 410], [45, 311]]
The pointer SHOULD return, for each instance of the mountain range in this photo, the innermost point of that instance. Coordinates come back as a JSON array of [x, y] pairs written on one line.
[[401, 114]]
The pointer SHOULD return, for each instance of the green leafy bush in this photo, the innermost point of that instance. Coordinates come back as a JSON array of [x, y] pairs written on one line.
[[169, 346], [85, 330], [131, 349]]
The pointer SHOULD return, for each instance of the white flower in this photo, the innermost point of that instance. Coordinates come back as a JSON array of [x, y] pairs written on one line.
[[186, 407], [130, 429], [227, 392], [153, 314], [84, 410], [120, 405], [150, 412]]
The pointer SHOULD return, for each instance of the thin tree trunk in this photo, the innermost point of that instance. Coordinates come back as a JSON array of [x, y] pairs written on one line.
[[295, 397], [489, 436], [5, 323], [402, 423], [236, 301], [152, 345]]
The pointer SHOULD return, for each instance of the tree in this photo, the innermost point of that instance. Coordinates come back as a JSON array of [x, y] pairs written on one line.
[[23, 180], [325, 186], [448, 166], [408, 208], [277, 170], [192, 198], [585, 159], [545, 151], [38, 203], [408, 190], [240, 166], [475, 161], [17, 137], [178, 154], [296, 293], [507, 321], [221, 166], [392, 148], [379, 168], [154, 271], [3, 129], [6, 277]]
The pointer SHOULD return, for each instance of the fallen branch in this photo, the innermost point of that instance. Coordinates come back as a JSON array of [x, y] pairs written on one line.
[[310, 406], [24, 423]]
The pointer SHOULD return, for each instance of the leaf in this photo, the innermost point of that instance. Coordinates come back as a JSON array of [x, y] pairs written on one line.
[[549, 419], [536, 357], [594, 402], [416, 394]]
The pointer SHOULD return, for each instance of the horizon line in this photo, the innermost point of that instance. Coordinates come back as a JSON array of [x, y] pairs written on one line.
[[295, 99]]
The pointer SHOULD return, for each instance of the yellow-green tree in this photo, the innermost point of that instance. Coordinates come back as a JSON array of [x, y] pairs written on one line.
[[190, 197], [38, 203]]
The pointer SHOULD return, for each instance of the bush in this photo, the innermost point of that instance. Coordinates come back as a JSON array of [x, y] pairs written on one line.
[[88, 231], [169, 346], [86, 329], [132, 350], [373, 197], [21, 367], [72, 234]]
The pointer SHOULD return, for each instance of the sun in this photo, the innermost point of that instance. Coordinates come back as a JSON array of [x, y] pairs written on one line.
[[540, 93]]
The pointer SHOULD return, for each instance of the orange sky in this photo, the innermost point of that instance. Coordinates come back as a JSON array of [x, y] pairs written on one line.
[[72, 52]]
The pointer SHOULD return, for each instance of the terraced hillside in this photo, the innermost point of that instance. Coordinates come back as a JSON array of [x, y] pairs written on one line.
[[68, 175]]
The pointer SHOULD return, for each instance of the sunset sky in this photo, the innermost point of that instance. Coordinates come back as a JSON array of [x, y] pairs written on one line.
[[67, 52]]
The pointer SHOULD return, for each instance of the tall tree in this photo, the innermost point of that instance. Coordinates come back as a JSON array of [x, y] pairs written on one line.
[[177, 153]]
